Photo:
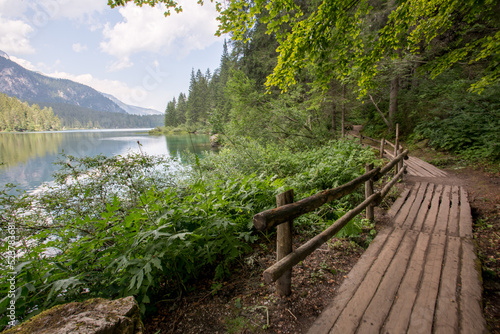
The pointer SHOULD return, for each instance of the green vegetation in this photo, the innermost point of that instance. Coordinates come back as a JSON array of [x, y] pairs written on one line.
[[74, 117], [205, 108], [18, 116], [298, 73], [131, 226], [302, 70]]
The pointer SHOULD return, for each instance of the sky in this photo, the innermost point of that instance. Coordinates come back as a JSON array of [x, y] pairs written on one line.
[[133, 53]]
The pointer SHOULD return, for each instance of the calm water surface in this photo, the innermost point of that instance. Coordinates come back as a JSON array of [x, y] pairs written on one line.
[[27, 159]]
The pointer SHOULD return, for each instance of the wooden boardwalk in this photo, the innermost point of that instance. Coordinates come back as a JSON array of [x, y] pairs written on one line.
[[420, 275]]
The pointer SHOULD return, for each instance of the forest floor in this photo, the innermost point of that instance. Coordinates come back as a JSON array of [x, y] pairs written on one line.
[[245, 304]]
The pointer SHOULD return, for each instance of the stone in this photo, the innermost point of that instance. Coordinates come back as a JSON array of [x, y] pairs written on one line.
[[215, 140], [94, 316]]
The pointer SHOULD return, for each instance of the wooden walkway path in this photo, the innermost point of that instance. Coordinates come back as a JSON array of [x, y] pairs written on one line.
[[420, 275]]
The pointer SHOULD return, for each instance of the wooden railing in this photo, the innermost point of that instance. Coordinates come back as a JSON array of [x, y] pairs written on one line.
[[287, 210], [395, 146]]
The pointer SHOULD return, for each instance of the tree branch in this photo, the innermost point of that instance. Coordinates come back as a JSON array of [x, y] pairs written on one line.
[[380, 112]]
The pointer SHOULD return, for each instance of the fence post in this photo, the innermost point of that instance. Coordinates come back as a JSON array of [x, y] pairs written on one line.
[[400, 163], [284, 245], [396, 143], [368, 192], [382, 148]]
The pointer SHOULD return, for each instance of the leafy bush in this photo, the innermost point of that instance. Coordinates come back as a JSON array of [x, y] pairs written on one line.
[[119, 226], [117, 230], [457, 121], [474, 135], [305, 171]]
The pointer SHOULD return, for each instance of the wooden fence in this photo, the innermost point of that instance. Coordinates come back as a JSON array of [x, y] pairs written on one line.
[[287, 210]]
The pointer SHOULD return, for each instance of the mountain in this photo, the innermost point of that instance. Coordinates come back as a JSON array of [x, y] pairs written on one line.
[[3, 54], [133, 110], [27, 85]]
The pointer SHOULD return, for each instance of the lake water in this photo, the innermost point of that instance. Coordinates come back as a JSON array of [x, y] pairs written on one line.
[[27, 159]]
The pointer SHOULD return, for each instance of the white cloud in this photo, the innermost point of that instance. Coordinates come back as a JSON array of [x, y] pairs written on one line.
[[11, 8], [38, 13], [70, 9], [14, 36], [120, 64], [25, 63], [77, 47], [147, 29], [20, 20]]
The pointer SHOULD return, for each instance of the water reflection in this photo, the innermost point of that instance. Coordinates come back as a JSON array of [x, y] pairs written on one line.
[[28, 158], [19, 147], [177, 144]]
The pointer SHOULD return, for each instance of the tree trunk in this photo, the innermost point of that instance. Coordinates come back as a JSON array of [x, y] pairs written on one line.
[[343, 112], [393, 102], [414, 79], [334, 116]]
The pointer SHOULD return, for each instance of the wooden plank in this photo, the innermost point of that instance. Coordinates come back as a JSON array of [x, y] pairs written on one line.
[[422, 316], [424, 208], [328, 317], [376, 313], [471, 315], [465, 215], [411, 170], [446, 319], [416, 207], [427, 168], [444, 211], [398, 203], [405, 209], [417, 166], [349, 319], [454, 212], [430, 219], [399, 316]]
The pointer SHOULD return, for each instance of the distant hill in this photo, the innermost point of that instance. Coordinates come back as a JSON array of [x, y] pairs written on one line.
[[27, 85], [133, 110], [75, 117], [77, 105]]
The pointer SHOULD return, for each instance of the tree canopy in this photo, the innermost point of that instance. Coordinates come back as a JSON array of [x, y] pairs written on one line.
[[20, 116], [330, 37], [341, 62]]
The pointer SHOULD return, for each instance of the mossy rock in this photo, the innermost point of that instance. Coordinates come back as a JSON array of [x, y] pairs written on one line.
[[94, 316]]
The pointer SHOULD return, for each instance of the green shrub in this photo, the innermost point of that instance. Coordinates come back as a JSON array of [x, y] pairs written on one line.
[[119, 226], [455, 120], [122, 229]]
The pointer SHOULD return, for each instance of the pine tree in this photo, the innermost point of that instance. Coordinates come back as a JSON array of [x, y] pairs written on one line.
[[171, 118], [181, 108]]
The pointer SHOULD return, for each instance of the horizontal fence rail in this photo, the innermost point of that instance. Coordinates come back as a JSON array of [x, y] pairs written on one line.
[[273, 217], [288, 210]]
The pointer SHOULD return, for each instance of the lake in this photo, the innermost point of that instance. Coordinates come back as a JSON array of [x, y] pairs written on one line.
[[27, 159]]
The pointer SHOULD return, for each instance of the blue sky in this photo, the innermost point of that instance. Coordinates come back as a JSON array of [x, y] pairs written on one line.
[[133, 53]]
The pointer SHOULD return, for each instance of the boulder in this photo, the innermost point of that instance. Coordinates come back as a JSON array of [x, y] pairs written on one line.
[[215, 140], [94, 316]]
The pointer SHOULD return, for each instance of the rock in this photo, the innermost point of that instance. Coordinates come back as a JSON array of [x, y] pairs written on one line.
[[94, 316], [215, 140]]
